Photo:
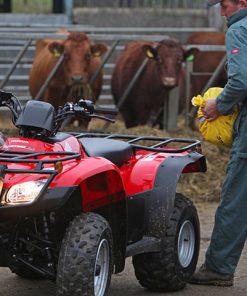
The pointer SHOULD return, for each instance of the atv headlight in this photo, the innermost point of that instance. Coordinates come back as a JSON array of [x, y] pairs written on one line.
[[25, 192]]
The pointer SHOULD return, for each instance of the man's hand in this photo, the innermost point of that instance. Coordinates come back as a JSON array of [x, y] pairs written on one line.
[[210, 111]]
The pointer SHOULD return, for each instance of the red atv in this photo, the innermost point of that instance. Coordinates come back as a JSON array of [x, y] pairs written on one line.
[[74, 205]]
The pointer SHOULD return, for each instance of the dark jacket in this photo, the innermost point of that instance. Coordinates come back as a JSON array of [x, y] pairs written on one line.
[[235, 91]]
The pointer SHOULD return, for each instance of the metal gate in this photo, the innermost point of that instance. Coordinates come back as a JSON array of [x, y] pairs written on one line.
[[17, 51]]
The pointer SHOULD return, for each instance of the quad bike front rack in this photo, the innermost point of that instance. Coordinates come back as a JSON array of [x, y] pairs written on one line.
[[12, 156]]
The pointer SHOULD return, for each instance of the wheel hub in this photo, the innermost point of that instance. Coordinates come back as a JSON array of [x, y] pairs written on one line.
[[186, 243], [101, 269]]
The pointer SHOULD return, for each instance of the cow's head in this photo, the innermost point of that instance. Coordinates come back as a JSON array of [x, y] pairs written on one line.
[[168, 56], [81, 58]]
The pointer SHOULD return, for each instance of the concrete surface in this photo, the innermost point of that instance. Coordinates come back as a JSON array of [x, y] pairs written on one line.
[[125, 284]]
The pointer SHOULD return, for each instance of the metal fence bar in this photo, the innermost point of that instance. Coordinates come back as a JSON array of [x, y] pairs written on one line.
[[110, 37], [7, 32], [216, 73], [49, 78], [105, 59], [130, 86], [132, 83], [101, 34], [15, 62]]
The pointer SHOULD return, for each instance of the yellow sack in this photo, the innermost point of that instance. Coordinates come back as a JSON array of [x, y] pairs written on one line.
[[218, 131]]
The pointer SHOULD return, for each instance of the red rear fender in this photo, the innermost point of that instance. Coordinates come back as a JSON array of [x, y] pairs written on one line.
[[140, 176]]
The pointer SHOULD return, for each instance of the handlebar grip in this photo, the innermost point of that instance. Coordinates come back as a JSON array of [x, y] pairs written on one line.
[[103, 110], [5, 96]]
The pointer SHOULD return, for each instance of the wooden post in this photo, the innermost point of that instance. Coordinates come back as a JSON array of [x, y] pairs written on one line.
[[170, 115], [189, 70]]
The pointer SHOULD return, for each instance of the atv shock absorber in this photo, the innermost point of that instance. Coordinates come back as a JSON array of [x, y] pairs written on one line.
[[46, 232]]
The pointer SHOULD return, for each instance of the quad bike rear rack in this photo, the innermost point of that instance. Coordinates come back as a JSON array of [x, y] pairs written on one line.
[[188, 145]]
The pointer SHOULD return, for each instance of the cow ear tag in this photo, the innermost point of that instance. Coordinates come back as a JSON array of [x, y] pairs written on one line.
[[97, 54], [149, 54], [56, 52], [190, 58]]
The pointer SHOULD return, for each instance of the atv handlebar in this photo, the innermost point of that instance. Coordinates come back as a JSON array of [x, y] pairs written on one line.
[[10, 101], [4, 97], [83, 108], [86, 109]]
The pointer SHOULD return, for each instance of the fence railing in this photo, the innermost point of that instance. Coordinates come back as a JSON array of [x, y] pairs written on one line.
[[142, 3], [17, 48], [13, 41]]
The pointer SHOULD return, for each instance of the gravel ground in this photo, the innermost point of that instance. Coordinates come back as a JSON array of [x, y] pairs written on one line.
[[125, 283]]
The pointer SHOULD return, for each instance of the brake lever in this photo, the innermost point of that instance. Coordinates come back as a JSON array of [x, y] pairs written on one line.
[[102, 117]]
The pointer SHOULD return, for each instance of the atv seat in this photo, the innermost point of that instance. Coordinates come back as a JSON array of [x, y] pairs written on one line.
[[116, 151]]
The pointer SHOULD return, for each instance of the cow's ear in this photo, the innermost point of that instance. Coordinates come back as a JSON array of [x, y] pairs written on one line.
[[98, 49], [192, 52], [150, 52], [56, 48]]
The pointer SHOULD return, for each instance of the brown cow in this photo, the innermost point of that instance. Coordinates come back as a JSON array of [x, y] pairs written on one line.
[[162, 73], [206, 61], [71, 82]]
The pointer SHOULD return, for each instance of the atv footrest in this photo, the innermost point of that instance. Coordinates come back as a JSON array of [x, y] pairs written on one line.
[[146, 245]]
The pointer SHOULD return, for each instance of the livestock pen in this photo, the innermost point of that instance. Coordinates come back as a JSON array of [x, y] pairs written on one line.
[[17, 50]]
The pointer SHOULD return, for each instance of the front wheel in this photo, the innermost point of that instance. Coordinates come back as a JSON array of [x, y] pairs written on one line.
[[86, 258], [172, 267]]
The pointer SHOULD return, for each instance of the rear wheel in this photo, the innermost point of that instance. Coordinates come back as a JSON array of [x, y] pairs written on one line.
[[172, 267], [85, 261]]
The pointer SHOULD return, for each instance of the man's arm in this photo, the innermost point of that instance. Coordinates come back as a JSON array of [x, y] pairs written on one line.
[[235, 90], [210, 111]]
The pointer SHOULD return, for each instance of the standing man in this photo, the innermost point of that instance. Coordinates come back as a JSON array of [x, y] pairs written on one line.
[[230, 229]]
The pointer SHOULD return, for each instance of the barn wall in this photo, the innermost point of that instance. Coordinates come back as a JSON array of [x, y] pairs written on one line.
[[124, 17], [32, 19]]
